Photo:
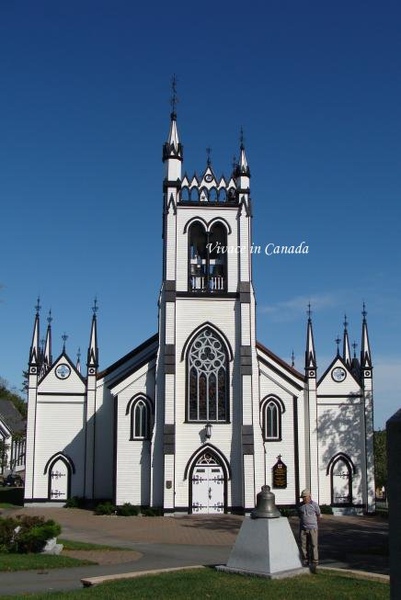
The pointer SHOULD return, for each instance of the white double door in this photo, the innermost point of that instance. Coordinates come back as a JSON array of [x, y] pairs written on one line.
[[207, 488]]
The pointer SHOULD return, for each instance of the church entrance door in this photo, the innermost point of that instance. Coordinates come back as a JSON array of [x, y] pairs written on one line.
[[341, 483], [207, 486], [59, 480]]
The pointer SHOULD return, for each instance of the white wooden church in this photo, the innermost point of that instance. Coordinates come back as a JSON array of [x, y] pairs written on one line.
[[201, 415]]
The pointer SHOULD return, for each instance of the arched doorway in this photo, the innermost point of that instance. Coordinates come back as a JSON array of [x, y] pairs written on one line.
[[207, 485], [59, 469], [341, 471]]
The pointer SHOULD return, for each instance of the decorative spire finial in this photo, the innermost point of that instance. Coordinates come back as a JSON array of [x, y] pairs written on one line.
[[95, 307], [49, 317], [345, 322], [364, 313], [38, 307], [309, 311], [241, 138], [64, 337], [337, 341], [355, 346], [174, 98], [293, 358], [208, 153]]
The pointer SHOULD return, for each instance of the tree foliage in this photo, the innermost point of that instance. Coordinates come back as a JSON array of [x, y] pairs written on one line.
[[380, 455]]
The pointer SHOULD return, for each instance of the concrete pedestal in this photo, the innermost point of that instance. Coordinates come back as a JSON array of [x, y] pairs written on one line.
[[265, 547]]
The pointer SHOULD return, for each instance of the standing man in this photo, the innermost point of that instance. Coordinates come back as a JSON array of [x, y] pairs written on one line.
[[309, 514]]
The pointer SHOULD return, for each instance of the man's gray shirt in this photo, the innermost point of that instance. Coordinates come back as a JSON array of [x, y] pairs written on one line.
[[308, 513]]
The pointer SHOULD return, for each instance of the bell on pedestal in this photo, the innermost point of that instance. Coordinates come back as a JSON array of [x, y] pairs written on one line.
[[265, 505]]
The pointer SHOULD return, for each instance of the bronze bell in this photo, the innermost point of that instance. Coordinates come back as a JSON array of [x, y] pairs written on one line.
[[265, 505]]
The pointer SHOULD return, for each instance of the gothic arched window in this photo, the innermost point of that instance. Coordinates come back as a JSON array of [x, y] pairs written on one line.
[[271, 420], [207, 258], [207, 378], [140, 419]]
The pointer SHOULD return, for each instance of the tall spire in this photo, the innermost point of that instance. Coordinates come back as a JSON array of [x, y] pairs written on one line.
[[34, 353], [172, 149], [310, 355], [366, 358], [47, 350], [93, 352], [346, 345], [242, 170]]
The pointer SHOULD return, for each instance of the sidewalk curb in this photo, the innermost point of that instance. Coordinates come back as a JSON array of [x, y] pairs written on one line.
[[91, 581], [357, 574]]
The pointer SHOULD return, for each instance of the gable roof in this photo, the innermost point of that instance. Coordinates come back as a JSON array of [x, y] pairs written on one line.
[[11, 416]]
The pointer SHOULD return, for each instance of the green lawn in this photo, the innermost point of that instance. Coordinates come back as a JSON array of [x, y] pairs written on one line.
[[28, 562], [211, 584]]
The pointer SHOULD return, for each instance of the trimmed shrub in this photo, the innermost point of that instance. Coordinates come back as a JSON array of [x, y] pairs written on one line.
[[26, 534], [152, 512], [326, 509], [128, 510], [105, 508], [75, 502]]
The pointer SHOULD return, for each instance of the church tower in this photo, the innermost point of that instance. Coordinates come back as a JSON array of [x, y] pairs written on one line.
[[207, 372]]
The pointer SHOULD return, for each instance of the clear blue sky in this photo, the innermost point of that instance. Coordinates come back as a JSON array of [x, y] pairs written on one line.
[[84, 111]]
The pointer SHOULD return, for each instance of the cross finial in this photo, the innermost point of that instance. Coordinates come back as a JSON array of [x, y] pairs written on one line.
[[364, 313], [49, 317], [95, 307], [345, 322], [241, 138], [64, 337], [174, 97], [208, 152], [38, 307]]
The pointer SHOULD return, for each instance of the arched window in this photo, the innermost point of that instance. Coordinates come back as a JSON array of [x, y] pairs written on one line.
[[207, 378], [140, 419], [213, 197], [272, 410], [207, 258], [185, 196], [222, 195], [341, 470]]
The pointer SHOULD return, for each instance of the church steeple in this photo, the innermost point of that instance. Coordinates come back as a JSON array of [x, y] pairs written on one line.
[[366, 358], [93, 351], [310, 355], [172, 149], [346, 345], [242, 172], [34, 353], [47, 351]]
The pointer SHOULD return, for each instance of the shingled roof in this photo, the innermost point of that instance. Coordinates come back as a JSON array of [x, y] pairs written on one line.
[[11, 416]]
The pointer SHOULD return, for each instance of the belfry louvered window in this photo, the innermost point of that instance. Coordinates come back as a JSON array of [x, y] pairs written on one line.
[[207, 378]]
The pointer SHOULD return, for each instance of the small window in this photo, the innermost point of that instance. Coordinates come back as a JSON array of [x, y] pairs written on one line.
[[140, 420], [271, 420]]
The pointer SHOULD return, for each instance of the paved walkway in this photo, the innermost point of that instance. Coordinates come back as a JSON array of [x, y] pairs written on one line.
[[352, 543]]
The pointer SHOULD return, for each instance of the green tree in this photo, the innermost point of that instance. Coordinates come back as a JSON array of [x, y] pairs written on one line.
[[380, 456]]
